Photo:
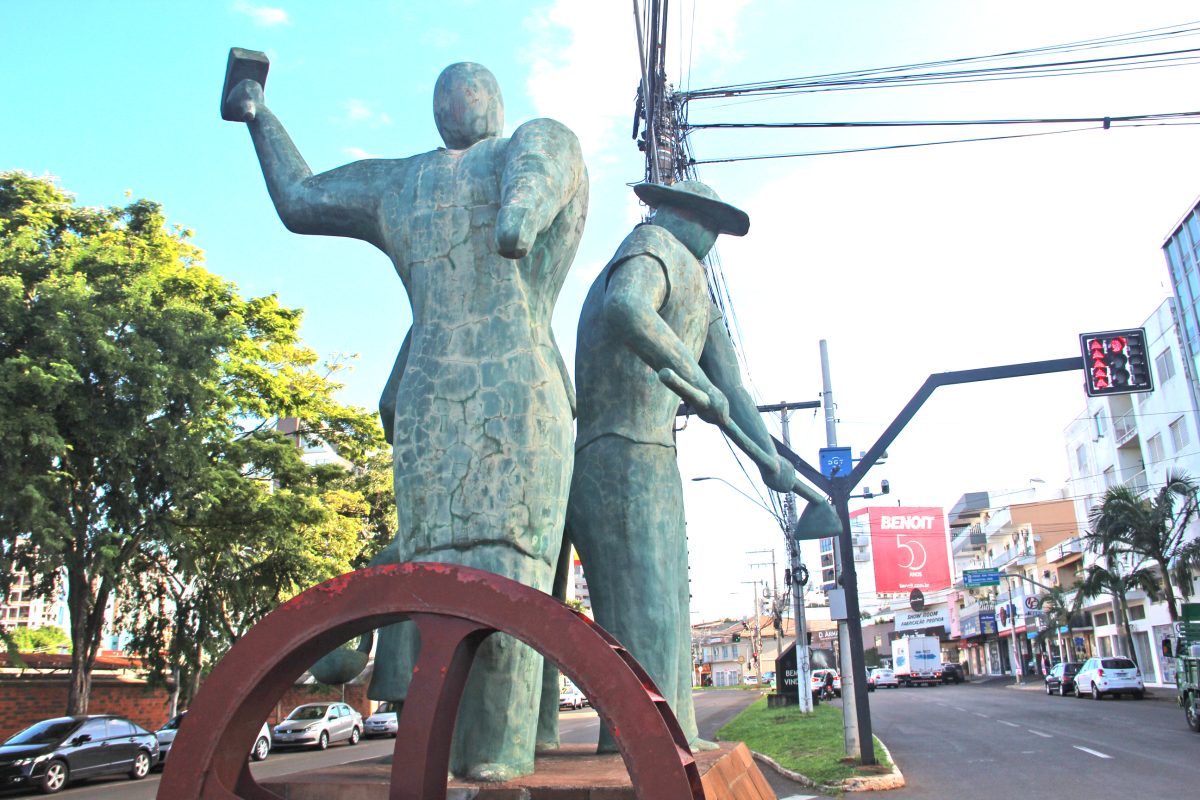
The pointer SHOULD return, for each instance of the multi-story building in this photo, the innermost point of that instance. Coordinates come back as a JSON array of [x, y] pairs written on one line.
[[1135, 440], [1182, 252], [21, 609]]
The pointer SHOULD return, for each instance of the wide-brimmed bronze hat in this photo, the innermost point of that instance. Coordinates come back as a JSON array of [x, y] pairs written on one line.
[[699, 199]]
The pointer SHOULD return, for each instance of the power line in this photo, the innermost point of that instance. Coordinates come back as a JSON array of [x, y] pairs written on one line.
[[1107, 121]]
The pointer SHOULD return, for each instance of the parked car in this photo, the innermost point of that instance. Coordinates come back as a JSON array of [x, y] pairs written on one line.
[[1113, 675], [570, 697], [952, 673], [818, 680], [50, 753], [768, 678], [385, 720], [166, 737], [319, 725], [882, 677], [750, 680], [1061, 678]]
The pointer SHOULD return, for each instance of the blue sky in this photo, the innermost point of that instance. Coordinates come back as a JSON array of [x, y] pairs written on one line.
[[907, 261]]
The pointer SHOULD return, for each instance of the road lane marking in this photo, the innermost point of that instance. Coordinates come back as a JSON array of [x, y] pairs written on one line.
[[1009, 724], [1090, 751], [976, 713], [800, 797], [1039, 733]]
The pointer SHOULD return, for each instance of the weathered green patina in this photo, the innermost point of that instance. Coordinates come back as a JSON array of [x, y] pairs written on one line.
[[648, 335], [479, 404]]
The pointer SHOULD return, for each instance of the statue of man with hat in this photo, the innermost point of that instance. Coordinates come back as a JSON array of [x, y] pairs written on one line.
[[648, 336]]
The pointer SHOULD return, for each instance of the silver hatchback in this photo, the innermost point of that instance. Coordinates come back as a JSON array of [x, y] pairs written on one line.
[[318, 725]]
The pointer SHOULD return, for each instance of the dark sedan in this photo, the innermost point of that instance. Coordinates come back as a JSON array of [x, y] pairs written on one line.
[[52, 752], [1061, 678], [953, 673]]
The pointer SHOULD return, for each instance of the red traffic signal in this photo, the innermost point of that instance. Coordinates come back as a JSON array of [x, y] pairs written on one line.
[[1115, 362]]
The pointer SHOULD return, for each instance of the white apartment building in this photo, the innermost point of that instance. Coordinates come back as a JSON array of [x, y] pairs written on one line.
[[1134, 440]]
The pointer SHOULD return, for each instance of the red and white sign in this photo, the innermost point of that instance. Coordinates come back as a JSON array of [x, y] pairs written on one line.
[[908, 547]]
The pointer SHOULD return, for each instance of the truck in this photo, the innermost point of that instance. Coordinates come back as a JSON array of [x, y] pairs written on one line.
[[917, 660], [1184, 646]]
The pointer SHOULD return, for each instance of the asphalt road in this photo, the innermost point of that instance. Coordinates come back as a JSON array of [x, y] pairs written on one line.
[[988, 740]]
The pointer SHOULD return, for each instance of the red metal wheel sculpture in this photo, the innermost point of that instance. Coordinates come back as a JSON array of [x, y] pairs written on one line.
[[455, 608]]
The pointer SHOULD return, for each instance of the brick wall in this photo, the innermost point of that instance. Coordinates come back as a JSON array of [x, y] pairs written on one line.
[[24, 701]]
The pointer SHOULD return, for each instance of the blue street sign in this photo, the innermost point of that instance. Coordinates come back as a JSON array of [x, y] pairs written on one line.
[[835, 461], [1063, 629], [974, 578]]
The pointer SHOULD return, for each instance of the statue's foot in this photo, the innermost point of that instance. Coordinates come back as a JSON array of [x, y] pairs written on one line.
[[546, 747], [699, 745], [490, 772]]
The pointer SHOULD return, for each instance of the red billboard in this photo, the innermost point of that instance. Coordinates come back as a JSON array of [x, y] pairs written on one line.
[[908, 547]]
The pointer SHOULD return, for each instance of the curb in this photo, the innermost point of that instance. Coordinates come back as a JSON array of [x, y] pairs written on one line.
[[861, 783]]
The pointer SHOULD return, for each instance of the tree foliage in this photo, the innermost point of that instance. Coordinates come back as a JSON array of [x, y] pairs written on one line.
[[138, 393], [39, 640]]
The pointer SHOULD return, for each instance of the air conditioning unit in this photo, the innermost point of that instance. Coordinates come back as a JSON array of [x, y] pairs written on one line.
[[860, 541], [859, 556]]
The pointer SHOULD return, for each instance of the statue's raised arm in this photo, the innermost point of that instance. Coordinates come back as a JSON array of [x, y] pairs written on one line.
[[340, 202], [543, 172]]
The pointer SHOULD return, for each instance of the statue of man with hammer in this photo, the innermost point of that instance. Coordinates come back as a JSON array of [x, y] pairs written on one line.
[[479, 405]]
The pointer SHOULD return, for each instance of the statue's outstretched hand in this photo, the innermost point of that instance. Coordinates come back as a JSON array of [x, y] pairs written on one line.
[[516, 231], [782, 478], [246, 96]]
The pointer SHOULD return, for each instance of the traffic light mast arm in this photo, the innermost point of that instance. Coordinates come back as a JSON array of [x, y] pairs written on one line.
[[914, 405]]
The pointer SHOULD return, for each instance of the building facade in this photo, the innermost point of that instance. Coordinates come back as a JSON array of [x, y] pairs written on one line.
[[1134, 440]]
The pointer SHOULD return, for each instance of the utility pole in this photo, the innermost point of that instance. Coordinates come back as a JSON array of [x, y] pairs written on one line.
[[776, 616], [852, 741]]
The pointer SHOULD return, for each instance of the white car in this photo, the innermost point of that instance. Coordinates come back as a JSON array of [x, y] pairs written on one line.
[[319, 725], [1109, 675], [166, 737], [571, 697], [882, 677], [384, 721]]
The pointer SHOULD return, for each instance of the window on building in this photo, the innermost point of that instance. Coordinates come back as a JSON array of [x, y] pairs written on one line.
[[1164, 366], [1155, 448], [1098, 421], [1081, 460], [1179, 434], [1137, 612], [1110, 478], [1102, 618]]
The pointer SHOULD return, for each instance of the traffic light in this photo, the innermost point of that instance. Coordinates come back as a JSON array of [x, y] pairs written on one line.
[[737, 637], [1115, 362]]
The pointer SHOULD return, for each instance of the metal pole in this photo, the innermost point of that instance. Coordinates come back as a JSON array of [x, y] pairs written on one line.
[[803, 666], [845, 645]]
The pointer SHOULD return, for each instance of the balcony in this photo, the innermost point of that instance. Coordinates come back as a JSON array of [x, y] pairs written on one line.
[[1064, 550], [972, 538], [1137, 482], [1124, 428], [1014, 556]]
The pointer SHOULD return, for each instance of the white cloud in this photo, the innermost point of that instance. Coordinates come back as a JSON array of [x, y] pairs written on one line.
[[358, 153], [266, 16], [358, 111], [440, 38]]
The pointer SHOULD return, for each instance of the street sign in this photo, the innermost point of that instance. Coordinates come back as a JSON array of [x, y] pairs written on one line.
[[1031, 634], [1031, 603], [974, 578], [1063, 629], [835, 461]]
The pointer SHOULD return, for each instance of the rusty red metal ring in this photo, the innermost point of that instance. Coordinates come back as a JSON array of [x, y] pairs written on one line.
[[456, 608]]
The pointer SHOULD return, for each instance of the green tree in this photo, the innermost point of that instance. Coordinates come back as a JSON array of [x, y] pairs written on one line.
[[1152, 529], [39, 640], [129, 377], [1057, 607]]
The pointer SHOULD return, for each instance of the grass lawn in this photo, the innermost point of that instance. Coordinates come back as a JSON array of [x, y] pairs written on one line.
[[812, 744]]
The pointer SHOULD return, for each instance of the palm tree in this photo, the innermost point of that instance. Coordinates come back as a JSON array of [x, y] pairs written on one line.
[[1152, 530], [1114, 580], [1058, 614]]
